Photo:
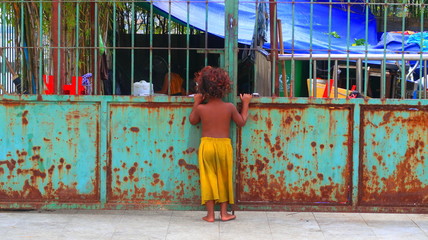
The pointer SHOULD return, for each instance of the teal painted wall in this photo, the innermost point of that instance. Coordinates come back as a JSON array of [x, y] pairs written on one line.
[[141, 152]]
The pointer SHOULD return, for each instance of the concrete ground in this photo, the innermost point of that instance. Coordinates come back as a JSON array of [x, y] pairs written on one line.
[[127, 224]]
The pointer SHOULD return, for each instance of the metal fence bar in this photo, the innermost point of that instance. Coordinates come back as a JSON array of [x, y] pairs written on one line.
[[256, 26], [58, 48], [22, 49], [36, 83], [273, 45], [425, 80], [314, 77], [3, 80], [206, 34], [114, 46], [96, 48], [132, 46], [230, 45], [169, 49], [366, 67], [335, 77], [348, 34], [293, 63], [403, 66], [151, 47], [423, 77], [383, 67], [330, 8], [41, 59], [77, 28], [187, 48]]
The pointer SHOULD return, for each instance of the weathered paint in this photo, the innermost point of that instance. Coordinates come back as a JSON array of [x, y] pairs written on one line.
[[394, 156], [296, 154], [152, 154], [141, 152], [49, 152]]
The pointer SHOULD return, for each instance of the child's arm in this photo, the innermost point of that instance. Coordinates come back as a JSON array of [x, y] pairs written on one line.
[[241, 118], [194, 117]]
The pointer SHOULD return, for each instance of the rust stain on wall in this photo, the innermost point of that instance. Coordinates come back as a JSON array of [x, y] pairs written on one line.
[[135, 129], [24, 117], [392, 171], [183, 163]]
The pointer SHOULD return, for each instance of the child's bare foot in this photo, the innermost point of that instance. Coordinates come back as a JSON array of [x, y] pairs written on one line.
[[208, 219], [227, 217]]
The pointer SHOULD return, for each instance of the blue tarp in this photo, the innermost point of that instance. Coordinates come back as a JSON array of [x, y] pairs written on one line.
[[398, 42], [322, 38]]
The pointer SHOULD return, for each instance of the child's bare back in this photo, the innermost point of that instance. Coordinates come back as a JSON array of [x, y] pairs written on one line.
[[216, 116]]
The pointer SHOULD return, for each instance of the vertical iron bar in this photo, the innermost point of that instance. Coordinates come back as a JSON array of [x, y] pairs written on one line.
[[96, 48], [132, 46], [231, 61], [425, 79], [114, 48], [293, 63], [77, 28], [403, 70], [383, 66], [169, 49], [311, 25], [41, 60], [231, 44], [330, 8], [3, 52], [348, 43], [403, 66], [22, 50], [151, 47], [256, 25], [422, 77], [367, 79], [335, 78], [314, 80], [206, 32], [58, 80], [383, 79], [187, 47]]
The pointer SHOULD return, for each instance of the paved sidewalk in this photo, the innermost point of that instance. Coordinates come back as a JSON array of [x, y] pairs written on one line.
[[126, 224]]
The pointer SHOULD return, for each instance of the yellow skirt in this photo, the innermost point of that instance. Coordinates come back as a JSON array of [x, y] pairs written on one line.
[[215, 169]]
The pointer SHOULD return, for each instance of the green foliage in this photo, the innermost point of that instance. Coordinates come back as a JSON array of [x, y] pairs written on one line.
[[359, 42], [333, 34], [399, 8]]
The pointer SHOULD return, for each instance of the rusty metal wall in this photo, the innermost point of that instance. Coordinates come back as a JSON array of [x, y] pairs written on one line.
[[115, 152], [394, 156], [49, 151], [296, 154], [152, 154]]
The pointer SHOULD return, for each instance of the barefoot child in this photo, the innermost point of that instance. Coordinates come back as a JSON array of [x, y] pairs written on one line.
[[215, 150]]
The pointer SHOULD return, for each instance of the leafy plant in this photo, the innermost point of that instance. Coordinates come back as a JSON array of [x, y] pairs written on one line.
[[406, 8], [334, 34], [359, 42]]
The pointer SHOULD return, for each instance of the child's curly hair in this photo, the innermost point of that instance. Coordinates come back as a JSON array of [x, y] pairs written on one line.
[[213, 82]]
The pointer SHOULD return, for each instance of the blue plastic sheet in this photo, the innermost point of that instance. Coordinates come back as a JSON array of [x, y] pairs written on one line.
[[397, 43], [322, 38], [419, 38]]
